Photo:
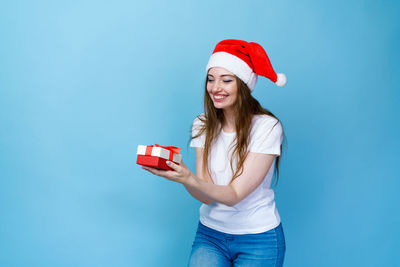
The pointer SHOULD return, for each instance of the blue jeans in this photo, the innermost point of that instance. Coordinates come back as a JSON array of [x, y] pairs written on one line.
[[212, 248]]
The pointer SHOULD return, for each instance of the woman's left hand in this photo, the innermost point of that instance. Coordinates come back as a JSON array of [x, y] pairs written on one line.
[[180, 173]]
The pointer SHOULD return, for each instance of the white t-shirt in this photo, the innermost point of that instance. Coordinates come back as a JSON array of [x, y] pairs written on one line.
[[257, 212]]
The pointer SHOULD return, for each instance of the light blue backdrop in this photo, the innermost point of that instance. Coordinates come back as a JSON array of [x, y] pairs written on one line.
[[82, 83]]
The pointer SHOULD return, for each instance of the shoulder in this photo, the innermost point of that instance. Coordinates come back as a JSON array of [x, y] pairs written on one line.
[[198, 124], [266, 135], [198, 131], [199, 120], [264, 122]]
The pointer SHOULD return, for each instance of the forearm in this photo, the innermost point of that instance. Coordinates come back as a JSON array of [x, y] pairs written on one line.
[[198, 194], [224, 194]]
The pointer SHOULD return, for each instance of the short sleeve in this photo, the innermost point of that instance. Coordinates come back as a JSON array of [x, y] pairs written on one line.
[[196, 127], [266, 135]]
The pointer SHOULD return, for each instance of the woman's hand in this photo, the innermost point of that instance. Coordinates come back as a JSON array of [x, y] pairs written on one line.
[[180, 173]]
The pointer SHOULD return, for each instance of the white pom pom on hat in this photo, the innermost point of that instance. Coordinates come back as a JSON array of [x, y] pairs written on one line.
[[246, 60], [281, 80]]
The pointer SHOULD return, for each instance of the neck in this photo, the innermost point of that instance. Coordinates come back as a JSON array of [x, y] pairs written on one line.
[[229, 120]]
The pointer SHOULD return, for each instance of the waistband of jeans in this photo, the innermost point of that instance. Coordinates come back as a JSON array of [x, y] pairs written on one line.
[[210, 230]]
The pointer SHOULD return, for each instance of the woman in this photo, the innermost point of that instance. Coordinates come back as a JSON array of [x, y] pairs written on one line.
[[238, 145]]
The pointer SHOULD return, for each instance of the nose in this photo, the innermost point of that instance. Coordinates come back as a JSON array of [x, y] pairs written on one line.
[[216, 87]]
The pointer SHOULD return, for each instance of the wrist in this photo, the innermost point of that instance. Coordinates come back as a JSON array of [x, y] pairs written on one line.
[[191, 180]]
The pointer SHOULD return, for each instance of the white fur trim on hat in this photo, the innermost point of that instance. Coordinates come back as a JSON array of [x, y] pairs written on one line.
[[235, 65]]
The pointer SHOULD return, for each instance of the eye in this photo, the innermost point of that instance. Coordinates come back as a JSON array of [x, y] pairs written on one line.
[[227, 81], [210, 80]]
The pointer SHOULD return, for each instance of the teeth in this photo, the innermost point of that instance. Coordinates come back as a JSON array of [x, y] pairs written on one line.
[[219, 96]]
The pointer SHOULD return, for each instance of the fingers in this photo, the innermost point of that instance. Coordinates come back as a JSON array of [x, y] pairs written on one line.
[[182, 164], [177, 174], [173, 166], [170, 175], [155, 171]]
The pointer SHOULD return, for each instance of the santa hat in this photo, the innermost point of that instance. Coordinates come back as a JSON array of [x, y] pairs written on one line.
[[245, 60]]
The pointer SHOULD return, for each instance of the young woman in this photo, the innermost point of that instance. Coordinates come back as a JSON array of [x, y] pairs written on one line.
[[238, 145]]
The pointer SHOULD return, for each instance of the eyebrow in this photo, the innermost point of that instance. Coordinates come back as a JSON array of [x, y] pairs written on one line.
[[223, 75]]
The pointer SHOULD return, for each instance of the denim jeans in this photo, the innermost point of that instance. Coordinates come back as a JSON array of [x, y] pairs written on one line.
[[212, 248]]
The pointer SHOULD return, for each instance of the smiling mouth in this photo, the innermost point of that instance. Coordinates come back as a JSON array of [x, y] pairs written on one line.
[[219, 97]]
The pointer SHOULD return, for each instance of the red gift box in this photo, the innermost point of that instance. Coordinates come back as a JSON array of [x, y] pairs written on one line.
[[156, 156]]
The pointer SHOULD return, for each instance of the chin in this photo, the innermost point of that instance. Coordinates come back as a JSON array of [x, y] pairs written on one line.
[[223, 106]]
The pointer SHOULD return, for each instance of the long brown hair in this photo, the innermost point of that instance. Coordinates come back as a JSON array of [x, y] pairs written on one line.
[[246, 107]]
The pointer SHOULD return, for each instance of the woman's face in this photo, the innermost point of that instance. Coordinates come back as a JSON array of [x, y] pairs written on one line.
[[222, 88]]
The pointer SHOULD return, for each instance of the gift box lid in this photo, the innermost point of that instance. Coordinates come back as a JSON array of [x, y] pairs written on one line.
[[158, 151]]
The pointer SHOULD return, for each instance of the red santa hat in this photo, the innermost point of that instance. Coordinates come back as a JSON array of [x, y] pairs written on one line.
[[246, 60]]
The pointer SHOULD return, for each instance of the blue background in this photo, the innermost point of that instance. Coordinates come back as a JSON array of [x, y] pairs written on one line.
[[82, 83]]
